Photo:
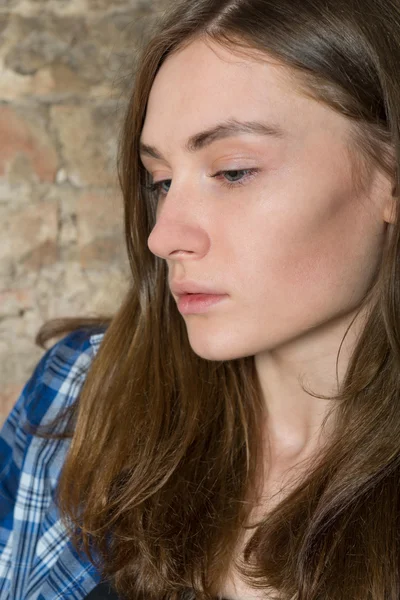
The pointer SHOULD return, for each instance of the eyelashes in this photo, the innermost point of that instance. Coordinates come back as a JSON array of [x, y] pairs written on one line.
[[158, 190], [250, 173]]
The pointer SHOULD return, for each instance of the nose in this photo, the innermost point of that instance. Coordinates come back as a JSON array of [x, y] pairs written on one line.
[[178, 231]]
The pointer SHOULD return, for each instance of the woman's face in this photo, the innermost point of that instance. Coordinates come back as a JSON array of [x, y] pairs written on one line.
[[284, 233]]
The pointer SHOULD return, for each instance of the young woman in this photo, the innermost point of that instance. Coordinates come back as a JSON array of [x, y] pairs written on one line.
[[233, 430]]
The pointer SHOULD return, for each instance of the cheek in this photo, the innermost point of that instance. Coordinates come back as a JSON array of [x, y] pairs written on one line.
[[309, 252]]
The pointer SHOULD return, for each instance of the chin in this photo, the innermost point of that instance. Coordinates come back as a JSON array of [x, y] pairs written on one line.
[[214, 357], [217, 352]]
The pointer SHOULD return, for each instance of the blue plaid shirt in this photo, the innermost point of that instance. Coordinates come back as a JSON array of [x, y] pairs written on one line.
[[37, 560]]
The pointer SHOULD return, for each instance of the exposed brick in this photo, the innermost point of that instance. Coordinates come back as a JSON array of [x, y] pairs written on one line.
[[99, 212], [100, 228], [29, 235], [3, 22], [103, 5], [88, 140], [66, 81], [10, 3], [37, 50], [62, 250], [14, 302], [45, 253], [92, 48], [21, 135], [61, 5]]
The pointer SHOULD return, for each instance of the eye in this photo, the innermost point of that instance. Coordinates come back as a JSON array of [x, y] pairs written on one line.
[[235, 177], [229, 178], [157, 187]]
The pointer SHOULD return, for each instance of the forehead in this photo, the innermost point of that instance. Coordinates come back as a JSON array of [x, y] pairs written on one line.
[[206, 83]]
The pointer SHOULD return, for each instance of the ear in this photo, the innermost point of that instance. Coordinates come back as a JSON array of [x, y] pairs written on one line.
[[389, 211]]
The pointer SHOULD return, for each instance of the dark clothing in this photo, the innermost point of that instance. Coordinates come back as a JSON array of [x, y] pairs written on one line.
[[103, 591]]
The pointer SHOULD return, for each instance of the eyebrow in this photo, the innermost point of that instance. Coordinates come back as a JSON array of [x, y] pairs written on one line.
[[229, 128]]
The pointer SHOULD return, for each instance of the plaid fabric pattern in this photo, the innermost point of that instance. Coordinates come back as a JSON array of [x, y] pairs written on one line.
[[37, 560]]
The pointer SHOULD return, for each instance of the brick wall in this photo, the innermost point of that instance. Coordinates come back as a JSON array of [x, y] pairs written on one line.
[[64, 74]]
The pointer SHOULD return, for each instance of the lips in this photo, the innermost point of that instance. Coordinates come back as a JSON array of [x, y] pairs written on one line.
[[198, 303], [191, 287]]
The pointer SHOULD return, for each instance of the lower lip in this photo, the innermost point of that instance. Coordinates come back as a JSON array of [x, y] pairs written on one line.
[[198, 303]]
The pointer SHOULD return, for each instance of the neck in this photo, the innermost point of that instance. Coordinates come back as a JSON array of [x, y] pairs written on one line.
[[294, 419]]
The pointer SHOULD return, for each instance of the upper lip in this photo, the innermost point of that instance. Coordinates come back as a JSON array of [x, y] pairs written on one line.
[[191, 287]]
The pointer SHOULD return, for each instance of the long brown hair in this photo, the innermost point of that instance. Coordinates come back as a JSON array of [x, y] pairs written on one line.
[[161, 474]]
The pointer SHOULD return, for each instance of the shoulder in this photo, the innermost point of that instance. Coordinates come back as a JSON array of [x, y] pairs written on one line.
[[59, 375], [34, 546]]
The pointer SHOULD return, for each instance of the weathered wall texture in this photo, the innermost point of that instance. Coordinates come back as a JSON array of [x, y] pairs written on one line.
[[63, 68]]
